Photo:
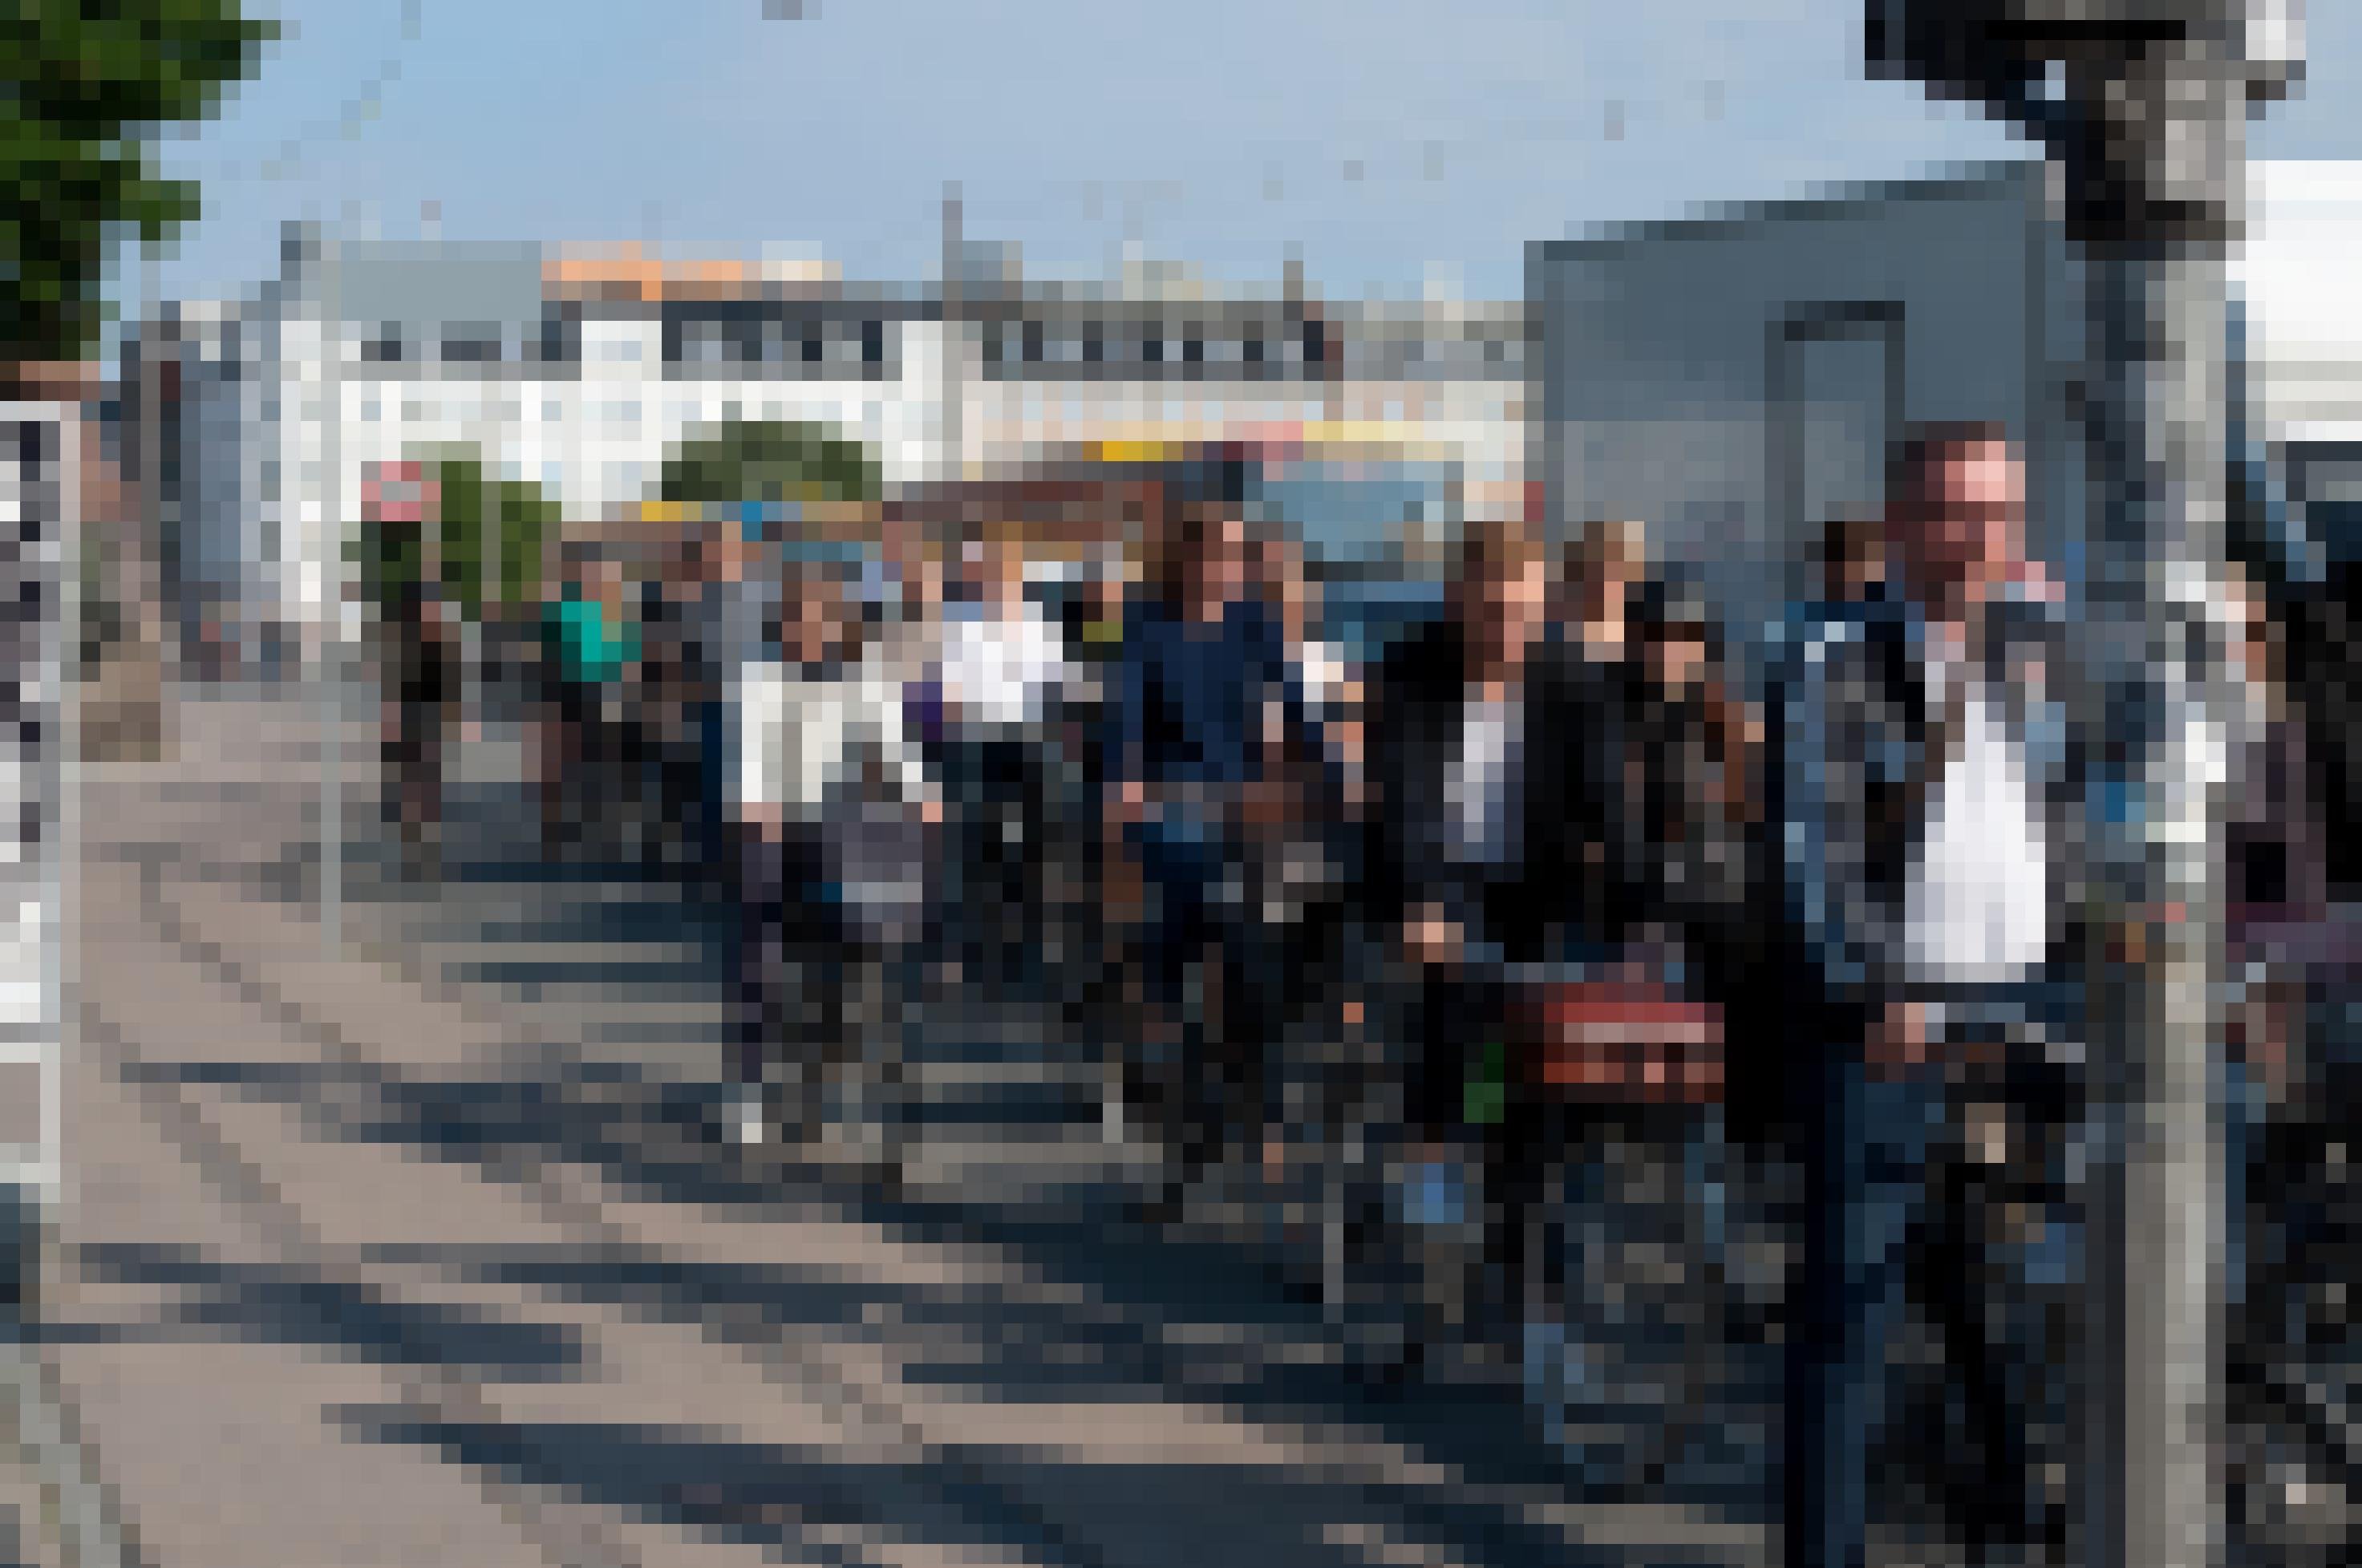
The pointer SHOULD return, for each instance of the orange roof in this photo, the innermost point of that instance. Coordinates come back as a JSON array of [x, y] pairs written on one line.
[[630, 275]]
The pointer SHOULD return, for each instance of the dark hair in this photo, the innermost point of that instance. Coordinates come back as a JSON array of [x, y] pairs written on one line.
[[1922, 444], [1844, 540], [1498, 545], [1219, 481], [1187, 531], [1673, 603]]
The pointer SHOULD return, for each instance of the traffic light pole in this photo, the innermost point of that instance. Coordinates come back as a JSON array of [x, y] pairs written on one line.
[[2141, 105], [2152, 175], [2158, 1227]]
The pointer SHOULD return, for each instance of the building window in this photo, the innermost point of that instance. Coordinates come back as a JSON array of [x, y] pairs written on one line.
[[1151, 351], [1253, 346], [471, 348], [1094, 345], [1193, 350], [873, 342], [1032, 342], [702, 343]]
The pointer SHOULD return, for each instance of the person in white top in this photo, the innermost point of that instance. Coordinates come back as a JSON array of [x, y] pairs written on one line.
[[1004, 671], [821, 735], [829, 799], [1003, 661], [1976, 904], [1929, 801]]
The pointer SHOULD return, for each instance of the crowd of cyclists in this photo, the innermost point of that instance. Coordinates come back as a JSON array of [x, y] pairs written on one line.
[[1468, 894]]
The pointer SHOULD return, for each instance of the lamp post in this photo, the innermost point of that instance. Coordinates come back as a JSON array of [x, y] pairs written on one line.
[[2141, 105]]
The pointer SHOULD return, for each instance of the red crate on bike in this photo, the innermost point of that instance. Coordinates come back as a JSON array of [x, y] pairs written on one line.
[[1620, 1041]]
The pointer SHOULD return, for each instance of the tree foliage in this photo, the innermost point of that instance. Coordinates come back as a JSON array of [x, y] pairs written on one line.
[[769, 460], [474, 514], [480, 514], [85, 88]]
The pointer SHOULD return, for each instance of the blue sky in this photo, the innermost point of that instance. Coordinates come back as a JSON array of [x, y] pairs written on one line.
[[1389, 141]]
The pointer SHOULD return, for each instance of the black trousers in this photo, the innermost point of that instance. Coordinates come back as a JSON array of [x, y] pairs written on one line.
[[1461, 1021], [790, 960], [1000, 786]]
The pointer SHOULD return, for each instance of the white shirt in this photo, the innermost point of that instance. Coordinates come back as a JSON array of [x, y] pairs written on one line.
[[1002, 670], [1322, 670], [1477, 785], [1977, 909], [800, 741]]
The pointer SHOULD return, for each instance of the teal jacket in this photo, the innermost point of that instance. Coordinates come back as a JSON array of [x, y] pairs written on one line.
[[589, 645]]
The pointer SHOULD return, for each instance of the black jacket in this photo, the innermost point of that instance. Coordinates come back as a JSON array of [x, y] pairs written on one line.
[[1545, 888]]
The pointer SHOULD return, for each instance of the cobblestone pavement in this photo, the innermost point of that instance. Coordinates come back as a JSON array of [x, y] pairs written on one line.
[[419, 1251]]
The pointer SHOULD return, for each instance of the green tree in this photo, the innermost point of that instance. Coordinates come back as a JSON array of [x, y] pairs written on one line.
[[473, 514], [769, 460], [89, 86]]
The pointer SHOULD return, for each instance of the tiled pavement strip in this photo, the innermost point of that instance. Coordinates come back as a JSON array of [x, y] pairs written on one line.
[[297, 1330]]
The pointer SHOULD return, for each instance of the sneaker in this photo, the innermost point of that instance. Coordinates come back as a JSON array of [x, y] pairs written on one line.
[[742, 1117]]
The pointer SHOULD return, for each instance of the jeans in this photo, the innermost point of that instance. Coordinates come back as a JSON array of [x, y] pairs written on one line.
[[2242, 1100], [1866, 1188], [1870, 1183], [1195, 879]]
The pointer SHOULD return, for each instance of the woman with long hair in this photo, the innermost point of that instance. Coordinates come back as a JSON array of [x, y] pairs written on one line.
[[1202, 675]]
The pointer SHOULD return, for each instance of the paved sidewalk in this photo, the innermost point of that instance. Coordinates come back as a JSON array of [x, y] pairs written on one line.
[[432, 1261]]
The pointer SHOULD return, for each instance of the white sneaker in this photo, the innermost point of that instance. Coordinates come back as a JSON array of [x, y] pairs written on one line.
[[746, 1117]]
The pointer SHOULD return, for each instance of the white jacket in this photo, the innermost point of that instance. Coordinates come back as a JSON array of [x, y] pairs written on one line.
[[806, 743], [1002, 672]]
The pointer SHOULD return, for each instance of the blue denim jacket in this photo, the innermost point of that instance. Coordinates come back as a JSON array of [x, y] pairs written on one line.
[[1849, 749]]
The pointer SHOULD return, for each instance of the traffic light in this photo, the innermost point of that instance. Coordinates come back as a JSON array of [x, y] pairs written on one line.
[[1993, 51]]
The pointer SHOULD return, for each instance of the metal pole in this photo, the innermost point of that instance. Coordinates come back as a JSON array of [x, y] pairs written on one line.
[[954, 372], [156, 609], [330, 673], [2142, 104], [2159, 1225], [2153, 175]]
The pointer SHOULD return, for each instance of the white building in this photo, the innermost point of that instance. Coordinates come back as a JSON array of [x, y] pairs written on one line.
[[582, 372], [2303, 321]]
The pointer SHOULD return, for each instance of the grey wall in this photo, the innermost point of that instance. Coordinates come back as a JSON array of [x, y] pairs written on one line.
[[1656, 396]]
